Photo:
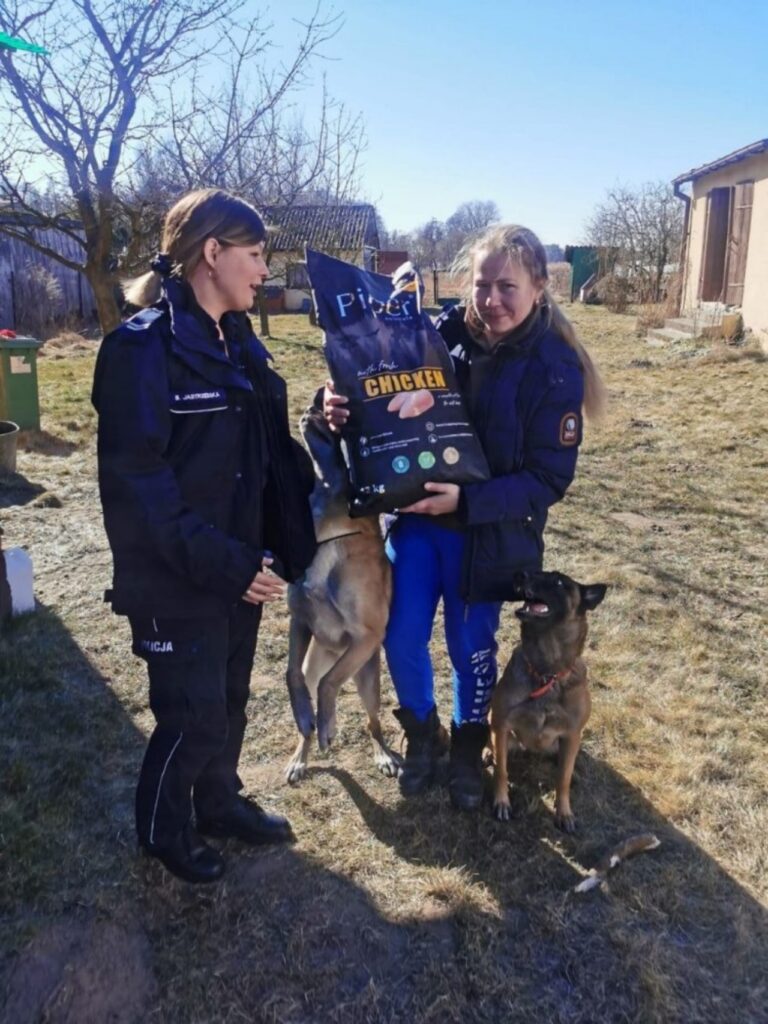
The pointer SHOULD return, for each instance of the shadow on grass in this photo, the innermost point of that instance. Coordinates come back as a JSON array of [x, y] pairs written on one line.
[[15, 489], [672, 937], [90, 932], [42, 442]]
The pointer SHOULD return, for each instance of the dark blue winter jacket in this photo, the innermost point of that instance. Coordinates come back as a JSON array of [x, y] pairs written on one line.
[[198, 473], [525, 399]]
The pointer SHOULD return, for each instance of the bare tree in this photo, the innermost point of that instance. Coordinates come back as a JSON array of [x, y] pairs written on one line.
[[122, 117], [472, 217], [554, 253], [428, 245], [639, 231], [435, 244]]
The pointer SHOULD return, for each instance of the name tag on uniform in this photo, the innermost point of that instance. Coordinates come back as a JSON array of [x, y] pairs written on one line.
[[199, 400]]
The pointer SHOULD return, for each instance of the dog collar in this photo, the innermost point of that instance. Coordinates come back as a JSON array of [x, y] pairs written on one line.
[[341, 536], [547, 682]]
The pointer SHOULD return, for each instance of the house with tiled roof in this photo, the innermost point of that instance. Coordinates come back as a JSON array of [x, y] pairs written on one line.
[[345, 230]]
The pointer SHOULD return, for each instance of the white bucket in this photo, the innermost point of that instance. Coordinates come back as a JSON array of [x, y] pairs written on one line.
[[18, 567]]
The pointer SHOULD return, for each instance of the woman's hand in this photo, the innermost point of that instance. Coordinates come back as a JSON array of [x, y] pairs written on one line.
[[333, 408], [445, 500], [265, 585]]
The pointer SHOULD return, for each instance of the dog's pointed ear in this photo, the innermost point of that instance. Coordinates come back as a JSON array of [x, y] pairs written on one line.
[[592, 594]]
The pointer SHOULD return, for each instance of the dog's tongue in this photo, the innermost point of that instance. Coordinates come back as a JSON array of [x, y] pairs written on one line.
[[538, 608]]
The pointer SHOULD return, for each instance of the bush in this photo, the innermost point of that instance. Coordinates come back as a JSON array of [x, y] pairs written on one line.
[[39, 300], [614, 292], [560, 280]]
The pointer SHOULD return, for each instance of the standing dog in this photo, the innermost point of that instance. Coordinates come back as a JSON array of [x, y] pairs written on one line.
[[339, 611], [542, 700]]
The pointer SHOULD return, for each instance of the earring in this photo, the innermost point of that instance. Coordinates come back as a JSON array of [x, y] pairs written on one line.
[[211, 273]]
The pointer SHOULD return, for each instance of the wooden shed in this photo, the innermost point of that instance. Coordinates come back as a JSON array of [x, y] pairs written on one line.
[[28, 277]]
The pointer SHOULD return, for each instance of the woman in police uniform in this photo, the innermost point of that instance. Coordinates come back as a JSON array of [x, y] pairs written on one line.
[[205, 500]]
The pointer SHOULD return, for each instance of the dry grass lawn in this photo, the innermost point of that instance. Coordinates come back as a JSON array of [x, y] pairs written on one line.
[[386, 910]]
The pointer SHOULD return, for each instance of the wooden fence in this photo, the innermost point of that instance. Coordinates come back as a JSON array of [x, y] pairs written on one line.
[[36, 290]]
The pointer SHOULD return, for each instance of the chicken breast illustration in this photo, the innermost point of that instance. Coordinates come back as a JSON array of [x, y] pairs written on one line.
[[411, 403]]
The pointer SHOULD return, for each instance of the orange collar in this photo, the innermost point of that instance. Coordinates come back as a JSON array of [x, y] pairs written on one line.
[[547, 682]]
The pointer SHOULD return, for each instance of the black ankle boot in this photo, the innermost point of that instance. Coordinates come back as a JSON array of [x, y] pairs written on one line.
[[245, 820], [426, 742], [465, 767], [188, 857]]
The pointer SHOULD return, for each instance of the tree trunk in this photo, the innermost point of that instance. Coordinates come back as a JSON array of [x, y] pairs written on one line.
[[106, 301], [263, 314]]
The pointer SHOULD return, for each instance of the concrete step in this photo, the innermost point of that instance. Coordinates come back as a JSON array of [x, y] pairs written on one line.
[[683, 323], [668, 335]]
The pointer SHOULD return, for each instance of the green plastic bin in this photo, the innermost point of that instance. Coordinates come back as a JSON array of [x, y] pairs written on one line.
[[19, 400]]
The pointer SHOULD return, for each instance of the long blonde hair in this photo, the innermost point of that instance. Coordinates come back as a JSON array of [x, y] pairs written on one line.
[[197, 216], [522, 246]]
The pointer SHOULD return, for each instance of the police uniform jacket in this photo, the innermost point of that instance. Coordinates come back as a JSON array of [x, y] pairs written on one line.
[[198, 474], [525, 399]]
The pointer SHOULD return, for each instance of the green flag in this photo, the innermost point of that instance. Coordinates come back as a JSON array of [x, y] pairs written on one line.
[[9, 43]]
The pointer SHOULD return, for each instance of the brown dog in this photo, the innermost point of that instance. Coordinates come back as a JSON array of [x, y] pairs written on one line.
[[542, 700], [339, 611]]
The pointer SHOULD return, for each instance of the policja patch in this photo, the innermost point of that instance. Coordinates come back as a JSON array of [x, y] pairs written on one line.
[[569, 429]]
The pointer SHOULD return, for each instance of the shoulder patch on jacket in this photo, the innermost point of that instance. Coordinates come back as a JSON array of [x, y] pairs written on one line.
[[141, 321], [569, 429]]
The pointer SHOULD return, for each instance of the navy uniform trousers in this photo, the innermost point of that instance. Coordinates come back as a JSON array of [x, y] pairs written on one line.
[[199, 677]]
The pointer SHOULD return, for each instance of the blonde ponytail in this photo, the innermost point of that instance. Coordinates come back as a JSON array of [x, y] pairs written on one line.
[[143, 291], [595, 395]]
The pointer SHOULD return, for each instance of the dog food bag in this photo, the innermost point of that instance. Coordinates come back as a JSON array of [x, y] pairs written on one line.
[[407, 421]]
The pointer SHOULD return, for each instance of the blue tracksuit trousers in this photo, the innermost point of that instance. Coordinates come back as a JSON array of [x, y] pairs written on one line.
[[426, 566]]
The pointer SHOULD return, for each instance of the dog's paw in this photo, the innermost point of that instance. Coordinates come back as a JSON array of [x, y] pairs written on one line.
[[295, 771], [387, 763], [565, 822], [502, 810]]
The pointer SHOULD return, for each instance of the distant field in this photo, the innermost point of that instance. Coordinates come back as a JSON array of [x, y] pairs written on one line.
[[392, 911]]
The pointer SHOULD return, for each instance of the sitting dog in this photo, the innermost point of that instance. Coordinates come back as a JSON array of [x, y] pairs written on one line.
[[542, 700], [339, 610]]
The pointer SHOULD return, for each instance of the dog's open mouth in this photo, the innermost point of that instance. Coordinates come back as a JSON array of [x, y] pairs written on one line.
[[532, 610]]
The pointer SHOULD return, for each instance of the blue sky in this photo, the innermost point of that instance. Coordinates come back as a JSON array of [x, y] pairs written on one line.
[[540, 107]]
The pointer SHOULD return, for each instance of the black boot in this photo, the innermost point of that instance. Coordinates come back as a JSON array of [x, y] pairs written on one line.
[[426, 742], [244, 820], [465, 767], [188, 857]]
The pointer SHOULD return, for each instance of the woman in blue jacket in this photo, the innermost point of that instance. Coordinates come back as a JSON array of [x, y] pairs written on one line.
[[205, 500], [526, 380]]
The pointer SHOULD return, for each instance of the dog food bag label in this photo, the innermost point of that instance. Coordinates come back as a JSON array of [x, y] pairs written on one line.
[[408, 423]]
